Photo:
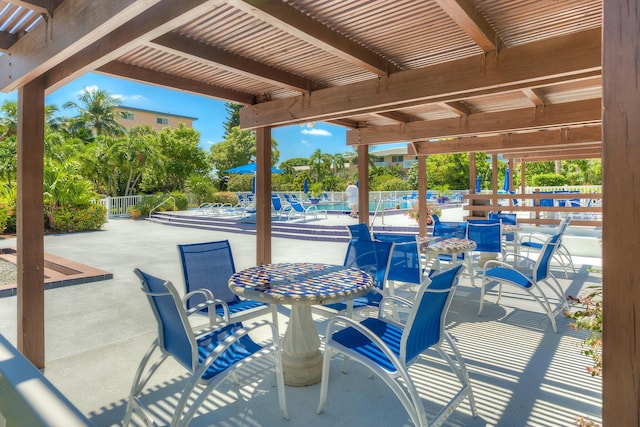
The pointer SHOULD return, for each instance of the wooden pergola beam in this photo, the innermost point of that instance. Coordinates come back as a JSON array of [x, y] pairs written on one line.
[[465, 14], [546, 156], [565, 58], [146, 26], [77, 25], [552, 138], [534, 95], [171, 81], [280, 15], [397, 116], [39, 6], [192, 49], [7, 40], [556, 115]]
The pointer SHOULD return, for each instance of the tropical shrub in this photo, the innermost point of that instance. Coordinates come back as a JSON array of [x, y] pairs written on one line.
[[72, 219], [589, 318], [389, 183], [8, 203], [548, 179], [4, 216], [182, 202], [226, 197]]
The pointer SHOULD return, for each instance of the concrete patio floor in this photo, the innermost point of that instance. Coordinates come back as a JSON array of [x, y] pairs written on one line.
[[96, 333]]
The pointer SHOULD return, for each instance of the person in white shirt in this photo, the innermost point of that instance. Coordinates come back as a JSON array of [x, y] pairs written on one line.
[[352, 198]]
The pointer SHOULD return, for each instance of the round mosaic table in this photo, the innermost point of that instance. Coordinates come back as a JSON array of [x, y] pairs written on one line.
[[301, 285]]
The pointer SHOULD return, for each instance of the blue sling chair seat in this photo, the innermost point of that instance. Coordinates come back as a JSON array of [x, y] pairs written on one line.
[[536, 283], [209, 355], [388, 348]]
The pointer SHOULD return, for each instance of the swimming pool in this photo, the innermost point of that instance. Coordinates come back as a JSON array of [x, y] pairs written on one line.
[[344, 206]]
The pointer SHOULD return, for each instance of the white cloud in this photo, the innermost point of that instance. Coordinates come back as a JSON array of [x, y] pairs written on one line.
[[304, 141], [92, 88], [316, 132], [136, 98]]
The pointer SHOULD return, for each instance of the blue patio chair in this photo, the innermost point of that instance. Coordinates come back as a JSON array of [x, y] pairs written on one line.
[[389, 348], [287, 198], [374, 258], [501, 272], [535, 241], [279, 208], [509, 219], [405, 265], [209, 266], [487, 234], [359, 231], [298, 210], [210, 356], [449, 229]]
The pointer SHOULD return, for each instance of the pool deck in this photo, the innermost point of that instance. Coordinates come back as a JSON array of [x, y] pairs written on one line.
[[96, 333]]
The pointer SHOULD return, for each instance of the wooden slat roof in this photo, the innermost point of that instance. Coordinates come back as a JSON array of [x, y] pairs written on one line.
[[379, 67]]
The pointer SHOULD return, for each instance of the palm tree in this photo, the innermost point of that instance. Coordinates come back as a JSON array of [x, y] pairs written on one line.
[[96, 113]]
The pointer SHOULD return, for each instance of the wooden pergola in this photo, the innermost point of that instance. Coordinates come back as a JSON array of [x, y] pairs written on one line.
[[510, 77]]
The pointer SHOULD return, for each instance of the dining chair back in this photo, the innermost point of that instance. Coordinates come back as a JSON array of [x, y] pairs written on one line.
[[503, 273], [209, 356], [405, 263], [373, 257], [360, 231], [389, 348], [487, 234], [209, 265]]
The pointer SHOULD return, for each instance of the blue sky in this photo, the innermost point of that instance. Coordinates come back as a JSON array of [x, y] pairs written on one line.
[[293, 141]]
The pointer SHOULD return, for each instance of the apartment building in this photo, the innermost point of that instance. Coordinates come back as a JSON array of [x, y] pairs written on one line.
[[130, 117]]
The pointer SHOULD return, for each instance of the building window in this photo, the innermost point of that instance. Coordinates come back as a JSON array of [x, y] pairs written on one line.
[[162, 120], [397, 159], [126, 115]]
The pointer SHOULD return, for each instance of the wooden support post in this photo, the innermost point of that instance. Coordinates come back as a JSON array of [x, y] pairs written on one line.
[[620, 207], [363, 183], [263, 195], [422, 196], [472, 173], [30, 222], [494, 182]]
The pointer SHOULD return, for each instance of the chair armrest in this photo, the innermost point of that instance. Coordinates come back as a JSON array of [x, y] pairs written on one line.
[[517, 257], [210, 303], [535, 237], [343, 322], [396, 304], [494, 263]]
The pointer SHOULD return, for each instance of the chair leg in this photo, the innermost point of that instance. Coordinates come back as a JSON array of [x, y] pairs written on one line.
[[139, 381], [324, 382]]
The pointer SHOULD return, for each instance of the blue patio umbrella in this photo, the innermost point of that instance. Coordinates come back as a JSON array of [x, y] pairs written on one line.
[[253, 185], [505, 184], [478, 184], [306, 186], [250, 168]]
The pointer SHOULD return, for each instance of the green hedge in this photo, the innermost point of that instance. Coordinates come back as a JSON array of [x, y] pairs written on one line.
[[87, 218]]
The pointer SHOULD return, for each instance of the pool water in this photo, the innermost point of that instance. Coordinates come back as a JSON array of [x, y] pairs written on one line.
[[344, 206]]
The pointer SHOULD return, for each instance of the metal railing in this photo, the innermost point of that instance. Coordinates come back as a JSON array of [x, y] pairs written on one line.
[[162, 203]]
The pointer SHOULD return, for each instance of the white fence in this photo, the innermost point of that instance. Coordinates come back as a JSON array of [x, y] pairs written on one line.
[[117, 206]]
